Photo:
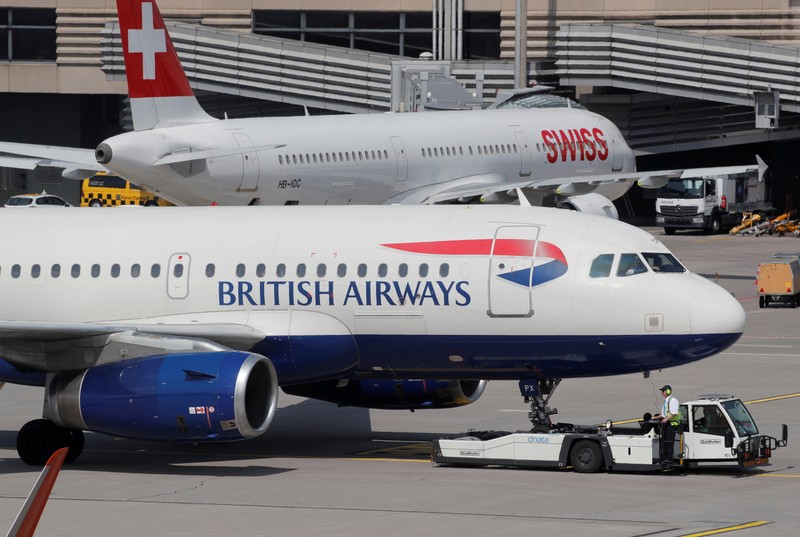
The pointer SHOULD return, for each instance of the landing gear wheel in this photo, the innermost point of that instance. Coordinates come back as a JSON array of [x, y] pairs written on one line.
[[586, 457], [38, 440]]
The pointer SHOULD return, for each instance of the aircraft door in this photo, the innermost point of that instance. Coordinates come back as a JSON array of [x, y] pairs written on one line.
[[524, 154], [511, 271], [178, 276], [250, 166], [401, 158]]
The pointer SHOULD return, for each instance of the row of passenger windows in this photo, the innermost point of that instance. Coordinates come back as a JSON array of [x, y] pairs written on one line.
[[497, 149], [327, 158], [630, 264], [427, 152], [301, 270]]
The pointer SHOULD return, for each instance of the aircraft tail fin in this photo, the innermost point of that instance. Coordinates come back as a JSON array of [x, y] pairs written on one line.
[[157, 85], [31, 512]]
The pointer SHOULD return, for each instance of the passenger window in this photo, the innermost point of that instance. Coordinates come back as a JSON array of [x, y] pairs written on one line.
[[341, 270], [321, 270], [261, 270], [280, 270], [75, 271], [177, 270], [240, 270], [383, 269], [444, 270], [630, 264], [55, 271], [601, 266], [36, 270], [15, 271], [423, 270], [301, 270], [95, 270], [210, 270], [136, 269], [362, 270], [402, 270], [155, 270], [115, 270]]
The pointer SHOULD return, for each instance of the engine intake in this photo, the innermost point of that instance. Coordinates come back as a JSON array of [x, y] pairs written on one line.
[[192, 396], [393, 394]]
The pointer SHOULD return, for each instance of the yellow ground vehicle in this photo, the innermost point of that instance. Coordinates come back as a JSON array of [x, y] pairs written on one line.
[[778, 280], [107, 190]]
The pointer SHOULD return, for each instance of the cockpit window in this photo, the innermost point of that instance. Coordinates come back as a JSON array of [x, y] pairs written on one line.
[[630, 264], [661, 262], [601, 266]]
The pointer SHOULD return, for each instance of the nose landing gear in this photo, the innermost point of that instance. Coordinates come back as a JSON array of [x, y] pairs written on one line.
[[538, 392]]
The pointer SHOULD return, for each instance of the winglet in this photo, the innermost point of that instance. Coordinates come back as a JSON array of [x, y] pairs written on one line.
[[157, 85], [762, 168], [31, 512]]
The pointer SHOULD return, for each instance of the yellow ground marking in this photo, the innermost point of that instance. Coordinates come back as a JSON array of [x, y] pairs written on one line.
[[729, 529]]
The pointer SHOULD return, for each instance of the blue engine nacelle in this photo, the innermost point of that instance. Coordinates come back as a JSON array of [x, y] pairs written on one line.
[[393, 394], [196, 396]]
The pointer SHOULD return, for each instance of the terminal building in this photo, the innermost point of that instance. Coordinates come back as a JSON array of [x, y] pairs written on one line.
[[689, 83]]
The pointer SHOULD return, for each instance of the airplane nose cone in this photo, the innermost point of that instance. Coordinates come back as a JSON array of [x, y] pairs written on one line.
[[715, 311]]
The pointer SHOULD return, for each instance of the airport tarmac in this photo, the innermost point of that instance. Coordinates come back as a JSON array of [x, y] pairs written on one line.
[[323, 470]]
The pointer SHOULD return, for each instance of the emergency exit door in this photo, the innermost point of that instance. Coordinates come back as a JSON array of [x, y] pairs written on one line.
[[511, 271], [178, 276]]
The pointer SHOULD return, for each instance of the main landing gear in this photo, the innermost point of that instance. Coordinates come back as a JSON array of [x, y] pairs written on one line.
[[39, 439], [538, 392]]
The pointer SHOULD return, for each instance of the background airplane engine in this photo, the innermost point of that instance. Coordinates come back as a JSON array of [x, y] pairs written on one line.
[[592, 203], [393, 394], [207, 396]]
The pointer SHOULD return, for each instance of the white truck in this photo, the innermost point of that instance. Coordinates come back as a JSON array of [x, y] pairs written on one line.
[[711, 202], [715, 430]]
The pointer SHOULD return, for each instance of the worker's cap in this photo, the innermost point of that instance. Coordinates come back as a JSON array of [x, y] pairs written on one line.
[[666, 388]]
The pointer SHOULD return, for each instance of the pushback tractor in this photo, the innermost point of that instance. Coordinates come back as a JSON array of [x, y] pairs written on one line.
[[716, 430]]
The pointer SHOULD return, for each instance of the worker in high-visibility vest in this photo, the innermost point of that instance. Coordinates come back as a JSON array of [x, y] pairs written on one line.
[[670, 420]]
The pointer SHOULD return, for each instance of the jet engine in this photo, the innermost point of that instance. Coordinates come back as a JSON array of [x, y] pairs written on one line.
[[193, 396], [393, 394], [592, 203]]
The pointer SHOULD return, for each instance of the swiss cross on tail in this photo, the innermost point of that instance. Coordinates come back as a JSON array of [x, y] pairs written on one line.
[[151, 63]]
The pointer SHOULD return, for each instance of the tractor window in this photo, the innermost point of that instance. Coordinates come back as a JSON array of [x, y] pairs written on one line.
[[709, 419], [742, 420]]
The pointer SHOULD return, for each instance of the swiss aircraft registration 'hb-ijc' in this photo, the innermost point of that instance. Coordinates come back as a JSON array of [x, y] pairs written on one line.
[[186, 331]]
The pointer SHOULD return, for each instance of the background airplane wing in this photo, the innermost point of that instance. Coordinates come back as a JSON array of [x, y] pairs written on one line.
[[495, 185], [77, 163]]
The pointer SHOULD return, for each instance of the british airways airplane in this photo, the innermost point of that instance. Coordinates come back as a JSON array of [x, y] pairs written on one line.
[[567, 157], [185, 332]]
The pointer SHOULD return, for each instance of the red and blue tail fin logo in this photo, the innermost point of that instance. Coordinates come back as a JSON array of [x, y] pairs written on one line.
[[549, 262]]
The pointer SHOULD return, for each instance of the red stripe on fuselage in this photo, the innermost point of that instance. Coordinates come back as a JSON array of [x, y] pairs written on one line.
[[504, 247]]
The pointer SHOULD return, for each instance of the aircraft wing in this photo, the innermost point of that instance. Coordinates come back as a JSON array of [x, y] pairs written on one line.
[[48, 346], [487, 185], [77, 163]]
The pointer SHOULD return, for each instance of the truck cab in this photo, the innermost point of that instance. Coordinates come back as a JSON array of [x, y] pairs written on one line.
[[711, 203], [719, 429]]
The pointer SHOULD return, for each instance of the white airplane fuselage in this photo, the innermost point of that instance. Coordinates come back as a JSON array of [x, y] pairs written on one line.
[[370, 159], [394, 292]]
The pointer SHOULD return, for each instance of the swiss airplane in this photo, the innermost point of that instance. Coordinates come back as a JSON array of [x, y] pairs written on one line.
[[186, 333], [567, 157]]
